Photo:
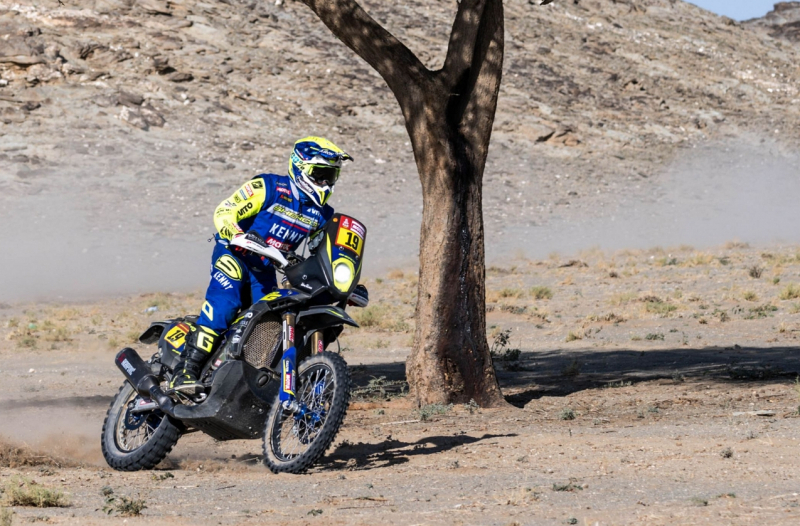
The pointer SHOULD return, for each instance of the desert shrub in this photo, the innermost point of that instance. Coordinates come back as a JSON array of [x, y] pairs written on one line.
[[426, 412], [381, 316], [541, 293], [567, 414], [20, 491], [124, 506], [790, 292]]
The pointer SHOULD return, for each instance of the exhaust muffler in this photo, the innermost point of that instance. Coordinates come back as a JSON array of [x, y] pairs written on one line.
[[141, 377]]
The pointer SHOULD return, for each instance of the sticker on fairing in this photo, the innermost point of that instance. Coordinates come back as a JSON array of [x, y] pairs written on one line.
[[348, 235], [177, 335]]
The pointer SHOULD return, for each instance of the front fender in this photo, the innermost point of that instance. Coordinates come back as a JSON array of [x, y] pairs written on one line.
[[322, 317]]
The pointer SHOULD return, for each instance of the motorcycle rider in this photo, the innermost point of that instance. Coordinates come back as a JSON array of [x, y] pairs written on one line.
[[283, 210]]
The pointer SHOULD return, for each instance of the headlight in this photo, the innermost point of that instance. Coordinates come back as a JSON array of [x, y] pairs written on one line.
[[342, 274]]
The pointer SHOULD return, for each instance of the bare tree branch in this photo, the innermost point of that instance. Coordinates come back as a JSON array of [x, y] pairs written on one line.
[[398, 66], [463, 39]]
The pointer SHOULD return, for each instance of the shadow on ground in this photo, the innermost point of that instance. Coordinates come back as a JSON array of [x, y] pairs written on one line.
[[392, 451], [562, 372]]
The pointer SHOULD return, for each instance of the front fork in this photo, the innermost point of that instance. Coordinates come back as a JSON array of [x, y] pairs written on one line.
[[289, 361]]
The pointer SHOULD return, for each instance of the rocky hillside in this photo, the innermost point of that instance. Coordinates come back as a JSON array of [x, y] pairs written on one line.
[[138, 116], [782, 22]]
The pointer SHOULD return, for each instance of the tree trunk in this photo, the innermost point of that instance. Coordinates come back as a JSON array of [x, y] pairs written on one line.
[[449, 115], [450, 360]]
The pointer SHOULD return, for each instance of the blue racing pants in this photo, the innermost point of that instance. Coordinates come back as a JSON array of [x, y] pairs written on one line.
[[237, 281]]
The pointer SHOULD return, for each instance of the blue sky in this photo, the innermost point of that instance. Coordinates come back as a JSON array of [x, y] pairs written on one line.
[[737, 9]]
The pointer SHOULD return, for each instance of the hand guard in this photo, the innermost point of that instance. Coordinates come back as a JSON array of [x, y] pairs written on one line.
[[359, 297], [315, 240]]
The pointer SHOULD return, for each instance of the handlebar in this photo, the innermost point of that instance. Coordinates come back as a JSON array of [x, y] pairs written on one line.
[[256, 245]]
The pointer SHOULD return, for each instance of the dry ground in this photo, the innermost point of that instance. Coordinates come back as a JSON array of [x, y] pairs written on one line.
[[654, 387]]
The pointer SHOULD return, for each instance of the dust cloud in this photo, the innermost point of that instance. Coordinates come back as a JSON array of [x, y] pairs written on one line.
[[741, 190], [53, 250], [57, 248]]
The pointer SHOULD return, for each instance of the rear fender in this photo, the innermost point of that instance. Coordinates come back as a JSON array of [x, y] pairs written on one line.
[[154, 332]]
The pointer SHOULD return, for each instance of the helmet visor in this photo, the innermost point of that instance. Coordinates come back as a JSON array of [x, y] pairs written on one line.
[[324, 175]]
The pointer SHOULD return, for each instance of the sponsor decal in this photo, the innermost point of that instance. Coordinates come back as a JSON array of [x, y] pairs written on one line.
[[358, 228], [229, 266], [283, 190], [208, 310], [320, 346], [345, 222], [288, 377], [286, 198], [222, 280], [236, 198], [291, 333], [313, 211], [272, 296], [246, 208], [258, 184], [284, 232], [306, 286], [288, 213], [248, 188], [218, 363], [205, 342], [271, 241], [128, 367]]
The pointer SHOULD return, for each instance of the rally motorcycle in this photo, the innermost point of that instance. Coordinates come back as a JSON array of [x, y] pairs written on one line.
[[251, 386]]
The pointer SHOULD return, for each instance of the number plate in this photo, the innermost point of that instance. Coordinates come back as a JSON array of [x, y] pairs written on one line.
[[348, 235]]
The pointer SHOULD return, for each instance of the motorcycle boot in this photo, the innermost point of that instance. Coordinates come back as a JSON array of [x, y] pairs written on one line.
[[200, 344]]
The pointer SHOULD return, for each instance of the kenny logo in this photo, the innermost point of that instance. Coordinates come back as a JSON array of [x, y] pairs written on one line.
[[225, 282], [285, 233]]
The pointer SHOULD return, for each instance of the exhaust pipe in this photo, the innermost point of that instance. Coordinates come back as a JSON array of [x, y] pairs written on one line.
[[141, 377]]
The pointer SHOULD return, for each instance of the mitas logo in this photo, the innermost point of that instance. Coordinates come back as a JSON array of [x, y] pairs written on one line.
[[130, 369]]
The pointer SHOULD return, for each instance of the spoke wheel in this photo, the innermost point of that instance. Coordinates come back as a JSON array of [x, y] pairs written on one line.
[[136, 429], [134, 441], [293, 442]]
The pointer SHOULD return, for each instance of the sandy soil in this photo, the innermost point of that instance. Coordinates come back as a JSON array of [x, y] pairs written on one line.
[[654, 387]]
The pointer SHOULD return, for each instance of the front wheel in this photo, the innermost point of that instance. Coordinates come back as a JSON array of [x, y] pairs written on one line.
[[293, 442], [133, 440]]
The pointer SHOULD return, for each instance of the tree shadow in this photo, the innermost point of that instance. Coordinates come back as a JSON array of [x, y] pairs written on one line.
[[561, 372], [391, 451]]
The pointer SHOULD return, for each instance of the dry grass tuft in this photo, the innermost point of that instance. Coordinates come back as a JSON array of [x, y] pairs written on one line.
[[790, 292], [511, 293], [698, 259], [749, 295], [20, 491], [381, 316], [622, 298], [541, 293], [572, 336]]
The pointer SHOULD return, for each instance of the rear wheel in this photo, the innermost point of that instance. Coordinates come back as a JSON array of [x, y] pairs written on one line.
[[293, 442], [132, 440]]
